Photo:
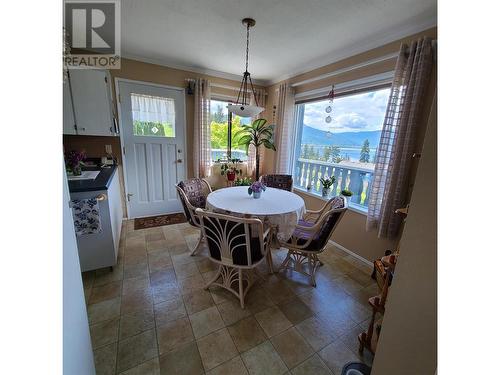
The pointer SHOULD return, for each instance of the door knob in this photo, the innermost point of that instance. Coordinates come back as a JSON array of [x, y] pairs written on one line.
[[179, 160]]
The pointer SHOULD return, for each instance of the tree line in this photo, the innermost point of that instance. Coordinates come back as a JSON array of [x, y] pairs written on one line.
[[332, 153]]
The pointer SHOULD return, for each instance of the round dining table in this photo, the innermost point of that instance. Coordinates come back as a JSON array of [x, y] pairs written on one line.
[[279, 208]]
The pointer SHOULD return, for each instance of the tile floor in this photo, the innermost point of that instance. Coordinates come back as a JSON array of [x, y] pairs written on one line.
[[150, 315]]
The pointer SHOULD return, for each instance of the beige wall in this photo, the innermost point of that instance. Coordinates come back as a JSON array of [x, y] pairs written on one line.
[[408, 340]]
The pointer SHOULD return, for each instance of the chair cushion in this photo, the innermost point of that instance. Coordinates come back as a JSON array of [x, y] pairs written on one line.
[[194, 189], [235, 237], [320, 238], [278, 181]]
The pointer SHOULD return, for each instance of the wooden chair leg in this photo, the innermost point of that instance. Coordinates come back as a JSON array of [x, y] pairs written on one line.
[[198, 244]]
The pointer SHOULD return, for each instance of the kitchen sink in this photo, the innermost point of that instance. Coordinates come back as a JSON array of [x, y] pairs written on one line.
[[86, 175]]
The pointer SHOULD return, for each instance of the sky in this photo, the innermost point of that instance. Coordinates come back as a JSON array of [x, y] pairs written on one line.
[[354, 113]]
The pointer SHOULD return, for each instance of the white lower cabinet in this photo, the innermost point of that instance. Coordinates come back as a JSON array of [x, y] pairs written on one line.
[[100, 250]]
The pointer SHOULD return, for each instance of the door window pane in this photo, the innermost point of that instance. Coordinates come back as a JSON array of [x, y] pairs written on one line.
[[153, 116]]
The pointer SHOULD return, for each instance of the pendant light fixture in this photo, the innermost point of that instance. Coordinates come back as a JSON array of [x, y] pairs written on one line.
[[242, 106]]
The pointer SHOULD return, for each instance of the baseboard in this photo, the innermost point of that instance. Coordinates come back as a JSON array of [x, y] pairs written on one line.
[[352, 253]]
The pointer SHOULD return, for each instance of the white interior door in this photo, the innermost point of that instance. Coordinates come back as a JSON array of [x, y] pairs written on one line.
[[153, 130]]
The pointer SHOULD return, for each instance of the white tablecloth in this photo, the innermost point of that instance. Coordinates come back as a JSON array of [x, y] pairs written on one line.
[[276, 207]]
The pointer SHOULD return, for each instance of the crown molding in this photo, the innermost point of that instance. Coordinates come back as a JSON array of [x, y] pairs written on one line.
[[345, 53], [210, 72]]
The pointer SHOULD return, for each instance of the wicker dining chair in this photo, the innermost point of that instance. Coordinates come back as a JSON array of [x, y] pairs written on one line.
[[278, 181], [310, 238], [193, 194], [238, 245]]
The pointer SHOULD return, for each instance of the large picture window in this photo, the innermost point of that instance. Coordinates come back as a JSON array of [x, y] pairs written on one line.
[[221, 132], [340, 139]]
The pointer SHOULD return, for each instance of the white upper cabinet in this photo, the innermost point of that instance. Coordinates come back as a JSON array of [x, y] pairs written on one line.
[[69, 124], [92, 102]]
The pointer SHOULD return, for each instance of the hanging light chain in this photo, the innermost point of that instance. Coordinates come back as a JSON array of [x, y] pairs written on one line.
[[243, 93]]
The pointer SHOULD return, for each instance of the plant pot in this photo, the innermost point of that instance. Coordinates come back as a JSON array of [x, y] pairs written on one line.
[[256, 195], [77, 171], [347, 199], [325, 192], [231, 176]]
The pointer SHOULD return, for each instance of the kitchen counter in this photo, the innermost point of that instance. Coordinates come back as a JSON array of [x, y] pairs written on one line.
[[101, 182]]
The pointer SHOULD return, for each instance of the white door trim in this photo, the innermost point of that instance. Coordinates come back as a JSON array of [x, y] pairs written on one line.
[[124, 164]]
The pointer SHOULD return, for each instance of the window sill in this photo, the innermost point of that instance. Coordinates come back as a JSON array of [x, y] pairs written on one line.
[[352, 206]]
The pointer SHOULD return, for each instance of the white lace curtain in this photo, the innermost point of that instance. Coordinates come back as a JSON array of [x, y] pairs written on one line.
[[201, 145], [397, 141], [261, 98], [284, 129], [153, 109]]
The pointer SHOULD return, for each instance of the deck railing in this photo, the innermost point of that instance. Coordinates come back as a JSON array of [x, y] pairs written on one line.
[[355, 178]]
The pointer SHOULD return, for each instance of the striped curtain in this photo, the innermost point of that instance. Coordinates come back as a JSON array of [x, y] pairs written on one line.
[[397, 141], [202, 146], [284, 129]]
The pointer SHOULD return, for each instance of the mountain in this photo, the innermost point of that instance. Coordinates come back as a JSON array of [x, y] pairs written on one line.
[[315, 136]]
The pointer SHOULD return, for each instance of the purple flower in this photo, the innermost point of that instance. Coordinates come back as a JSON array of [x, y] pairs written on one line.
[[74, 158], [256, 187]]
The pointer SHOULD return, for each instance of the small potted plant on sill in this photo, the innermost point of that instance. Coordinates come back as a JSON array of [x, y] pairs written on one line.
[[327, 183], [230, 169], [256, 189], [74, 162], [347, 194]]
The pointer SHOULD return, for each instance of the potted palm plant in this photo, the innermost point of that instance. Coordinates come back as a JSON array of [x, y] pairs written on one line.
[[257, 134], [327, 183]]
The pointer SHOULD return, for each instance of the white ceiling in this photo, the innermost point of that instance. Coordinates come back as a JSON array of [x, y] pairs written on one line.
[[290, 37]]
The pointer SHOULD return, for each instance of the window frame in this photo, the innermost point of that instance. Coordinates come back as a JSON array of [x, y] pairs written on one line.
[[366, 84], [229, 127]]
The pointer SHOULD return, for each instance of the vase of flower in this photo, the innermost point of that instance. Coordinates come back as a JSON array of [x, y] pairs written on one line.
[[77, 170], [256, 189], [325, 192], [74, 162], [327, 183]]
